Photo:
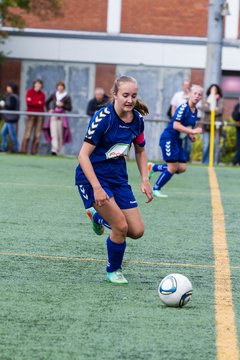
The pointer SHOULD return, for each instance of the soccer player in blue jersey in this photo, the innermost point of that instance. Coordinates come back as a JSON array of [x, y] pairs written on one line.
[[182, 124], [101, 175]]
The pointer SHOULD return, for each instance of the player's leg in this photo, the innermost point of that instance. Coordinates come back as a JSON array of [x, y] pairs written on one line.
[[98, 221], [182, 167], [152, 168], [116, 242], [182, 160], [135, 223], [170, 152]]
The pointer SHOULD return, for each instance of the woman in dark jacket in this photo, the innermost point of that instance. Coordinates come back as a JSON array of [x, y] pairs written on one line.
[[57, 129], [11, 102], [236, 117]]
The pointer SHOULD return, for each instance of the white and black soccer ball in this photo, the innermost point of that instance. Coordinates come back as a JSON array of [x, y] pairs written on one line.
[[175, 290]]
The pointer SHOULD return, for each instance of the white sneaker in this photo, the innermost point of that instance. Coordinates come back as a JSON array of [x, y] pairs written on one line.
[[116, 277], [159, 194]]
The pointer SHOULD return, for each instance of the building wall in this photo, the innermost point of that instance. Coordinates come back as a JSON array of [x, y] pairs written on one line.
[[138, 17], [105, 76], [175, 17], [79, 15], [10, 70]]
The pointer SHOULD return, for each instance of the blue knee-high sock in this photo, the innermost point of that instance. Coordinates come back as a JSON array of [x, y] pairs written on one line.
[[115, 255], [159, 167], [163, 178], [99, 220]]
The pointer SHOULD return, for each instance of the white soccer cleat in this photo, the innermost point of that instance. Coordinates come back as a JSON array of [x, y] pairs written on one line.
[[159, 194]]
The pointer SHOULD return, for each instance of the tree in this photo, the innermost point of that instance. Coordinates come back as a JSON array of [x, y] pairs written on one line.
[[12, 13], [9, 10]]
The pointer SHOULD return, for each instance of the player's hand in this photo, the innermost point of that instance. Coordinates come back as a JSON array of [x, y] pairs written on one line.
[[147, 189], [197, 131], [192, 137], [100, 196]]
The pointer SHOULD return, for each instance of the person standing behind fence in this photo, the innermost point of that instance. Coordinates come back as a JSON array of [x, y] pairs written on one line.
[[35, 100], [213, 90], [100, 100], [12, 103], [178, 99], [56, 129], [236, 117]]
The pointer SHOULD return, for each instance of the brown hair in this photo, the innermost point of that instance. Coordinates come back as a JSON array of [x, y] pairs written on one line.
[[37, 81], [61, 83], [140, 105]]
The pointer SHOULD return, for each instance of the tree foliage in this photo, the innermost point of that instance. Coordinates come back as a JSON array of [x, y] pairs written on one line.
[[12, 13], [9, 10]]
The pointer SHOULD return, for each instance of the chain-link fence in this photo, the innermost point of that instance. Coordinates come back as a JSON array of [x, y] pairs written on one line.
[[78, 125]]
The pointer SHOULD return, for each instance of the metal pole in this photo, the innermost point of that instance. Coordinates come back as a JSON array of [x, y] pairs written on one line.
[[213, 71], [214, 44]]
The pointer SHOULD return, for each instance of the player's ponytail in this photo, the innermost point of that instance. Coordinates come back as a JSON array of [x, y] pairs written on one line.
[[140, 105]]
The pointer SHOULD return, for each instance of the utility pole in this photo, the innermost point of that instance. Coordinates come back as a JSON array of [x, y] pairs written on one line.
[[214, 43]]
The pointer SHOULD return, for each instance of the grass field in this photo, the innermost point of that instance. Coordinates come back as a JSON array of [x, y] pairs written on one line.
[[55, 301]]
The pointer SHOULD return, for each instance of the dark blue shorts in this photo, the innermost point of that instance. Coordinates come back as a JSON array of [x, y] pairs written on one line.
[[172, 151], [122, 194]]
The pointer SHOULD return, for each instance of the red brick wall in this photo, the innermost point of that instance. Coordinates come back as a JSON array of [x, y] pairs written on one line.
[[105, 76], [175, 17], [197, 76], [10, 70], [79, 15], [228, 106]]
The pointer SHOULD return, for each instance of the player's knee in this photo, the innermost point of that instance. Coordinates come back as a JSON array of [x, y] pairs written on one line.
[[182, 168], [136, 233], [172, 168], [121, 227]]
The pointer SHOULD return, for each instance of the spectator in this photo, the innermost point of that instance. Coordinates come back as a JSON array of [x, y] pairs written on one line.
[[213, 90], [11, 102], [56, 129], [100, 100], [178, 99], [236, 117], [35, 100]]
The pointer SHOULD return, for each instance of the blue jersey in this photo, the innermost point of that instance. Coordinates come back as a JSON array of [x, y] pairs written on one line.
[[186, 117], [112, 138]]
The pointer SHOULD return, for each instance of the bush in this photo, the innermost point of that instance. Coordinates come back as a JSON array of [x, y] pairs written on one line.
[[227, 143]]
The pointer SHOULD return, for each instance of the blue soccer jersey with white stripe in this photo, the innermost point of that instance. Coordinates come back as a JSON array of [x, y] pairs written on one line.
[[186, 117], [112, 138]]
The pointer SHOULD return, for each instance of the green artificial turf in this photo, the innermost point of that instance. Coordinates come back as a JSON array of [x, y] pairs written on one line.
[[56, 304]]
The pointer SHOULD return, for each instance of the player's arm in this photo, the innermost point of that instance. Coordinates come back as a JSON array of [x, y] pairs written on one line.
[[181, 128], [173, 109], [100, 195], [141, 159]]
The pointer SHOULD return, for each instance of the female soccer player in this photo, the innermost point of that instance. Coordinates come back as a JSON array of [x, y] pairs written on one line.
[[102, 177], [182, 124]]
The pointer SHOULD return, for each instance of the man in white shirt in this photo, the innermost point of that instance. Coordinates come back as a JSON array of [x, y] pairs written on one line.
[[180, 97]]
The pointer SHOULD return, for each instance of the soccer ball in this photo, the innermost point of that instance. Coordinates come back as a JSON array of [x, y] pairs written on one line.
[[175, 290]]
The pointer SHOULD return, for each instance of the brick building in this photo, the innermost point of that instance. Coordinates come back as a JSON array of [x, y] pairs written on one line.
[[158, 42]]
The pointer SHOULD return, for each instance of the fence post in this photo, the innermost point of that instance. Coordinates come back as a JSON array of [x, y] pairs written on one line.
[[212, 99]]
